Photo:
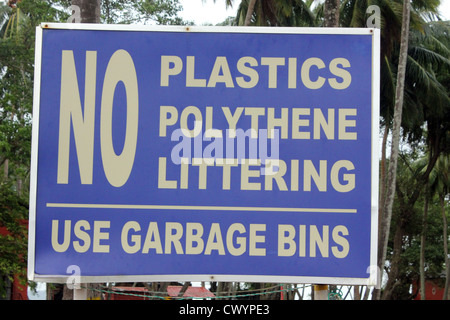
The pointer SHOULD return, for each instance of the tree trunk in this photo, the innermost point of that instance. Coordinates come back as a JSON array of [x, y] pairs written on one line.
[[219, 290], [67, 293], [422, 245], [392, 171], [183, 289], [250, 9], [235, 287], [331, 13], [447, 260], [89, 13], [89, 10], [395, 262], [383, 171], [356, 293]]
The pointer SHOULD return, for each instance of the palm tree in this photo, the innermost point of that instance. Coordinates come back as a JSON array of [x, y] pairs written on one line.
[[442, 187], [427, 100], [276, 13], [256, 13], [428, 60], [295, 13], [331, 13], [440, 183], [387, 210], [429, 103], [421, 165], [353, 14], [249, 14]]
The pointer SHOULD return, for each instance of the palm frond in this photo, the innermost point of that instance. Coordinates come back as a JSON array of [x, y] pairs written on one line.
[[424, 80], [429, 57]]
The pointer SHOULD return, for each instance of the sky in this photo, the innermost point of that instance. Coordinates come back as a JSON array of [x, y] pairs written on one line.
[[213, 12], [445, 9], [206, 11]]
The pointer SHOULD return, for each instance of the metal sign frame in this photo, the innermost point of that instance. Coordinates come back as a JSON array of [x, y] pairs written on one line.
[[372, 274]]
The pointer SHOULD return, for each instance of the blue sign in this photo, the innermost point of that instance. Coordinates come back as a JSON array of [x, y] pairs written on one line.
[[224, 154]]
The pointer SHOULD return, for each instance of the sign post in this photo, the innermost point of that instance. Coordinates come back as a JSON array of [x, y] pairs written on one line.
[[205, 154]]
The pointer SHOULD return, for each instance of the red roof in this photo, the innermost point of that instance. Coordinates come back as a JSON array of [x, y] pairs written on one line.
[[196, 292], [173, 291], [130, 289], [129, 293]]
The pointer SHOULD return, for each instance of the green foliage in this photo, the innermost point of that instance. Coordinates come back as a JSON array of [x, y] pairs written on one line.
[[408, 223], [161, 12], [428, 71], [13, 245], [16, 101], [279, 13]]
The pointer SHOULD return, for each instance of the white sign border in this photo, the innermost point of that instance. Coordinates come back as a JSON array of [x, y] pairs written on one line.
[[372, 270]]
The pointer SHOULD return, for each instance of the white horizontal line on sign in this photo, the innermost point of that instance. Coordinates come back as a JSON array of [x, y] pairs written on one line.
[[178, 207]]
